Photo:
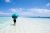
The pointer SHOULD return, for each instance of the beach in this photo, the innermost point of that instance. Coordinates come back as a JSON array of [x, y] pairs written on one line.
[[25, 25]]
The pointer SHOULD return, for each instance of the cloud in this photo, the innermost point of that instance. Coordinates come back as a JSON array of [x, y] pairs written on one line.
[[7, 1], [12, 10], [5, 14], [48, 4], [31, 12], [16, 10], [27, 12], [1, 12], [40, 12]]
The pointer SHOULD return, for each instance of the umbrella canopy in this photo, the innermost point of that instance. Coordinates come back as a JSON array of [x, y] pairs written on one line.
[[14, 16]]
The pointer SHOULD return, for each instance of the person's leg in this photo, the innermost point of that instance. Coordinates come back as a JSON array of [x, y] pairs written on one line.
[[14, 21]]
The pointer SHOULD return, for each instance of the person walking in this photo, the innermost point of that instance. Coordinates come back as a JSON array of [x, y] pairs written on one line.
[[14, 16]]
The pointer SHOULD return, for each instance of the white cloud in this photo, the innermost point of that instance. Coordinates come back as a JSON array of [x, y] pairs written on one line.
[[1, 12], [48, 4], [38, 12], [15, 10], [12, 10], [5, 14], [28, 12], [7, 1], [31, 12]]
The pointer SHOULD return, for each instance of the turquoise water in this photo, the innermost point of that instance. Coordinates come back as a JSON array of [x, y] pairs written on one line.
[[9, 19], [5, 21]]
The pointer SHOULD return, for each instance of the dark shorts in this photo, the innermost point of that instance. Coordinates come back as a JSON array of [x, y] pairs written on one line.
[[14, 21]]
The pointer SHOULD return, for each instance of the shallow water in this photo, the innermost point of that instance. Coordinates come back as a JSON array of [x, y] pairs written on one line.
[[26, 24], [8, 20]]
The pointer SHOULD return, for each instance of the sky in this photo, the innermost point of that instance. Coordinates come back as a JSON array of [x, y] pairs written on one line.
[[28, 8]]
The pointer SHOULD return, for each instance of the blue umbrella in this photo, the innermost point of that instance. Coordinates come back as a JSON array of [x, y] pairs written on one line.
[[14, 16]]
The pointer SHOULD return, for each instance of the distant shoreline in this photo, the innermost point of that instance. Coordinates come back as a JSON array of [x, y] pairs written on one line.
[[40, 17], [27, 17]]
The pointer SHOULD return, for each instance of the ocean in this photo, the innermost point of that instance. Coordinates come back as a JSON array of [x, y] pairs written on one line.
[[27, 25]]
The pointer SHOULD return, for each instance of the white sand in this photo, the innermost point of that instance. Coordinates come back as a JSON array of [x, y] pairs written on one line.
[[26, 25]]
